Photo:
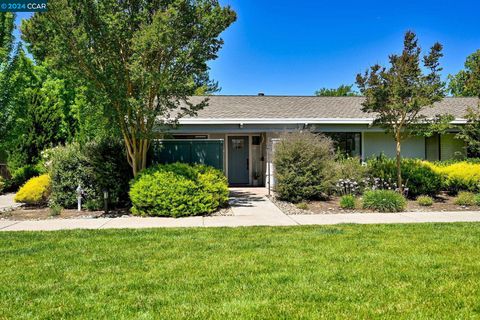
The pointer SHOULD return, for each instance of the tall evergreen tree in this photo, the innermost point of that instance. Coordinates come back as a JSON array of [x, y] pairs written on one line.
[[7, 85]]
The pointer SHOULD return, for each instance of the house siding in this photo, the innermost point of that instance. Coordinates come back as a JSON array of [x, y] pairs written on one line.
[[376, 143], [451, 148]]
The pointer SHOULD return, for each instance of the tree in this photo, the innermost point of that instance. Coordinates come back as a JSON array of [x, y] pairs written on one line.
[[342, 91], [7, 24], [470, 132], [466, 83], [7, 62], [398, 95], [40, 113], [144, 57]]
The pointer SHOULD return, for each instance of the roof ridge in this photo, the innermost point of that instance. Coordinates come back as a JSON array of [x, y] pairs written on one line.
[[273, 96], [305, 96]]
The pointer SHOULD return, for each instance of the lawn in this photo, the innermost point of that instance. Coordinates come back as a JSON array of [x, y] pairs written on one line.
[[419, 271]]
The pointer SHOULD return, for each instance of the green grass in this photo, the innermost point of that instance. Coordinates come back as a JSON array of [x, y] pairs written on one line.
[[392, 271]]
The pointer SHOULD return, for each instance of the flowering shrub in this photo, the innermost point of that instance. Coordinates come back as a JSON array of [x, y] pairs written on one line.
[[374, 183], [351, 174], [347, 187], [418, 177]]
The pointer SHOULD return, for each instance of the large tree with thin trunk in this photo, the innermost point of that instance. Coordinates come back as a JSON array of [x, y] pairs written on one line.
[[397, 95], [144, 57]]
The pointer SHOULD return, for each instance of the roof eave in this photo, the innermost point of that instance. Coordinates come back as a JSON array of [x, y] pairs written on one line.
[[276, 121], [216, 121]]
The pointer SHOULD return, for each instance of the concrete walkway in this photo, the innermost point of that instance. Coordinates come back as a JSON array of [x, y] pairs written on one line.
[[7, 203], [250, 207]]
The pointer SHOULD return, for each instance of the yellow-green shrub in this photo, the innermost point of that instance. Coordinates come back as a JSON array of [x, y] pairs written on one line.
[[425, 201], [465, 198], [177, 190], [35, 191], [459, 176]]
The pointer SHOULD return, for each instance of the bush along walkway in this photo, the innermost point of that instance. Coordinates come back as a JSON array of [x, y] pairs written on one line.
[[250, 207]]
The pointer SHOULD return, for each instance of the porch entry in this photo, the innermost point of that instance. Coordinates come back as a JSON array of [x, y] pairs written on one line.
[[238, 160]]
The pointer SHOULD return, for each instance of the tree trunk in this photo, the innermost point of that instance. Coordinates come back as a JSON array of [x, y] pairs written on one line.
[[399, 163], [141, 156], [137, 153]]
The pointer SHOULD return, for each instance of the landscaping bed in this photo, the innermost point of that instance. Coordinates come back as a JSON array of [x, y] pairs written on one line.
[[28, 213], [45, 213], [442, 203], [310, 178], [421, 271]]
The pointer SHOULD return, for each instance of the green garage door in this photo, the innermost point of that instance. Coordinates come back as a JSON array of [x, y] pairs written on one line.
[[209, 152]]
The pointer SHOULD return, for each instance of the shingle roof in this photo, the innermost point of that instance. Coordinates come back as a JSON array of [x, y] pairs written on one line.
[[307, 107]]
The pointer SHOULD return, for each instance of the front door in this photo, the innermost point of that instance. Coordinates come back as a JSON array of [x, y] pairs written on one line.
[[238, 160]]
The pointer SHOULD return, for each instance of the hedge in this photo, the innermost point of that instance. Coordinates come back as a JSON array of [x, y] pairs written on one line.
[[177, 190]]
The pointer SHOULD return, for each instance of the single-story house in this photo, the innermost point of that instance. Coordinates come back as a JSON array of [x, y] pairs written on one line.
[[248, 126]]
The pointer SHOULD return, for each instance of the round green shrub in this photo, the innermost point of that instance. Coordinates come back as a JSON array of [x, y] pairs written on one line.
[[384, 201], [304, 167], [417, 176], [107, 163], [302, 205], [465, 198], [68, 170], [177, 190], [425, 201], [98, 166], [348, 202]]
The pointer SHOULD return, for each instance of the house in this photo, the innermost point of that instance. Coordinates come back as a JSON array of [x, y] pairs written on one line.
[[248, 126]]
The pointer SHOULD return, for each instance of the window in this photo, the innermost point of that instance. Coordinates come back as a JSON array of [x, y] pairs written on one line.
[[238, 144], [255, 140], [349, 143]]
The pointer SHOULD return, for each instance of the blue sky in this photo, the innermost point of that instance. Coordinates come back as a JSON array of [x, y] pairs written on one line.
[[295, 47], [282, 47]]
